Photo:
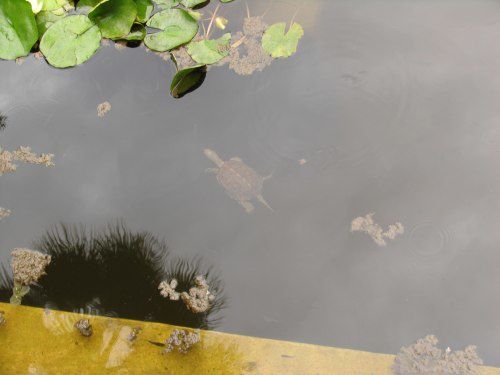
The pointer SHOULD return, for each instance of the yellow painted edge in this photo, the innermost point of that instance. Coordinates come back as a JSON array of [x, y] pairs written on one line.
[[36, 341]]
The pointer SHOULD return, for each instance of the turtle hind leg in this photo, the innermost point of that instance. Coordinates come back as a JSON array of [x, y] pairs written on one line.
[[248, 206], [261, 199]]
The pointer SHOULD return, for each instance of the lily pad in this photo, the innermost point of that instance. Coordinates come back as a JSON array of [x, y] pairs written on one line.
[[114, 17], [187, 80], [193, 3], [18, 31], [46, 19], [144, 10], [209, 51], [70, 41], [277, 43], [177, 26]]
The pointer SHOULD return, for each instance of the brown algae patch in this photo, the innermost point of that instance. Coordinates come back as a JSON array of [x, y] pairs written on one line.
[[167, 290], [28, 265], [374, 230], [24, 154], [198, 300], [247, 55], [84, 327], [181, 340], [423, 357], [103, 109]]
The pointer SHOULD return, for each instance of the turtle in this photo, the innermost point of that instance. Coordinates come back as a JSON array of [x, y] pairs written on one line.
[[241, 182]]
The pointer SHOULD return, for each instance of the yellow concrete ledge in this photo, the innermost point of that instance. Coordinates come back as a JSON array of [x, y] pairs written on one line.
[[33, 341]]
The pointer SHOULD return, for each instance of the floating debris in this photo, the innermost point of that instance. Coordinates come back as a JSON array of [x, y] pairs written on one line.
[[84, 327], [103, 109], [423, 357], [2, 317], [182, 340], [167, 290], [24, 154], [374, 230], [302, 161], [199, 298], [240, 181], [20, 61], [4, 213]]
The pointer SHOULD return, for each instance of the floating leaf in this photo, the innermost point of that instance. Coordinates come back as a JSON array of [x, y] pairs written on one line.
[[209, 51], [114, 17], [225, 1], [166, 4], [46, 19], [187, 80], [57, 5], [177, 26], [193, 3], [144, 10], [277, 43], [18, 31], [138, 32], [70, 41]]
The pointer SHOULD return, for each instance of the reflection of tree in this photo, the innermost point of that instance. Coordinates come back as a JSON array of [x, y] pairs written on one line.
[[3, 121], [116, 272]]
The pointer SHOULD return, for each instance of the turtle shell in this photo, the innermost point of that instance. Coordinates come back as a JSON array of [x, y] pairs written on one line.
[[241, 182]]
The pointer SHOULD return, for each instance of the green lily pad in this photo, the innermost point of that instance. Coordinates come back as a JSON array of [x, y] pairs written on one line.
[[18, 31], [144, 10], [277, 43], [56, 5], [137, 33], [209, 51], [114, 17], [45, 19], [187, 80], [70, 41], [177, 26], [166, 4], [193, 3]]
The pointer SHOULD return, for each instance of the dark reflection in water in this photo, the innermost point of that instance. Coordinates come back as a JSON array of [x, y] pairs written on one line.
[[3, 121], [116, 272]]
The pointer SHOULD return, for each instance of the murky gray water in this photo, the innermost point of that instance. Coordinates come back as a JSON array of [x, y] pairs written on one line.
[[392, 104]]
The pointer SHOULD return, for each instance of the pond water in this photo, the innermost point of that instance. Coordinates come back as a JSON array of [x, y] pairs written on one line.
[[388, 107]]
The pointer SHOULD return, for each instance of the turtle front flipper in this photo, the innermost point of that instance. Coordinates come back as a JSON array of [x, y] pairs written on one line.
[[261, 199], [247, 206]]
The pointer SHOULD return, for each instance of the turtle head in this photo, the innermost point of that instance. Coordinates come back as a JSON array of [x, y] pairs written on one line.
[[212, 155]]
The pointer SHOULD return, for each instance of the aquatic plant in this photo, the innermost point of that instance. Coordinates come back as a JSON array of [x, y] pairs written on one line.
[[68, 36], [116, 272]]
